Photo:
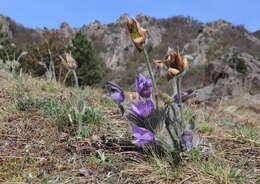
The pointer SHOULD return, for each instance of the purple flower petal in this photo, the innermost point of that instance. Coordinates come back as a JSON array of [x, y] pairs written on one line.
[[115, 92], [190, 93], [144, 86], [117, 97], [187, 136], [143, 108], [186, 140], [139, 130], [24, 53], [142, 135]]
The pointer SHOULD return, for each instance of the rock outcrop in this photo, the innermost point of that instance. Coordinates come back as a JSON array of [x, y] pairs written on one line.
[[114, 43], [5, 26], [232, 75]]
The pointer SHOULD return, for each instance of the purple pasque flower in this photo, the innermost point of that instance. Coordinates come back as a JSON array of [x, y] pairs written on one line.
[[185, 95], [142, 135], [142, 108], [186, 140], [115, 92], [24, 53], [144, 86]]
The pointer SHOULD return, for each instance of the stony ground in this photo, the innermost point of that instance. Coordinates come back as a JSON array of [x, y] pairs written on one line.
[[37, 147]]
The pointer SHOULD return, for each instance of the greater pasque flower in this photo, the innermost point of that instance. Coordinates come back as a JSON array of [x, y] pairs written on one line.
[[115, 92], [137, 33], [186, 140], [24, 53], [186, 95], [144, 86], [174, 63], [142, 135], [142, 108]]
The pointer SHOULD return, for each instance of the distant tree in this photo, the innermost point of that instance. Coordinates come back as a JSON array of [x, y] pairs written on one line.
[[91, 68], [46, 54]]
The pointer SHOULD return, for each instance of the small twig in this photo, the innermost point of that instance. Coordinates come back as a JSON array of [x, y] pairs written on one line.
[[12, 136], [186, 179], [128, 152], [22, 157]]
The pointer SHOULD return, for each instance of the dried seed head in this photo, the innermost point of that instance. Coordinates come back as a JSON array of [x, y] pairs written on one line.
[[137, 33], [70, 61], [13, 45], [174, 63]]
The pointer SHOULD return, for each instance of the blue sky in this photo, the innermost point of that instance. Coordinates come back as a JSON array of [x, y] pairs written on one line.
[[50, 13]]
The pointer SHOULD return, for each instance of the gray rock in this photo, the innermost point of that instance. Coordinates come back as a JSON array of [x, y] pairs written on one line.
[[205, 93]]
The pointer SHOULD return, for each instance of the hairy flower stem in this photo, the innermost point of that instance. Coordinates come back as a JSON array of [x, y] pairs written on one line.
[[149, 67], [122, 108], [178, 81], [7, 55], [76, 78], [175, 143], [174, 86], [52, 67], [66, 76], [79, 118]]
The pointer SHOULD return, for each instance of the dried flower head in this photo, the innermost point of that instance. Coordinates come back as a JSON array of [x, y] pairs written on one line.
[[174, 63], [137, 33], [13, 45], [70, 62]]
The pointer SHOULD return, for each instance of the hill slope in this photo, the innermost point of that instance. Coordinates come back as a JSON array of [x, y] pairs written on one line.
[[38, 141]]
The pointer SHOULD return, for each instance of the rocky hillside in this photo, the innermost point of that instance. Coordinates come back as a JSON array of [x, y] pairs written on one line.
[[219, 53], [18, 33]]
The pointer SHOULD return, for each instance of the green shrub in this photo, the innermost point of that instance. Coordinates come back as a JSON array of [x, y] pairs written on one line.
[[241, 67], [90, 66]]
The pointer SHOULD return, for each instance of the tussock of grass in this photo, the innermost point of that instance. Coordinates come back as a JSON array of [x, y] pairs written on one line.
[[218, 171]]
